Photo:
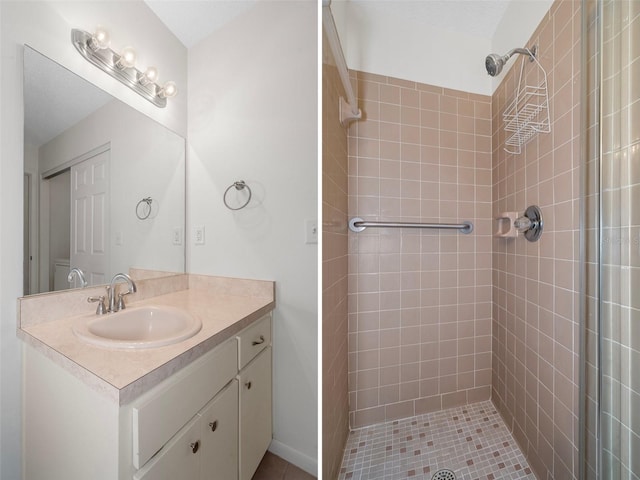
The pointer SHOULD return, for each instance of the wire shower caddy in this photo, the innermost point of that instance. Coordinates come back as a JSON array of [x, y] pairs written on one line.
[[528, 113]]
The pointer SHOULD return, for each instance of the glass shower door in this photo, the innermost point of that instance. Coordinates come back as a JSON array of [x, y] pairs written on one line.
[[611, 241]]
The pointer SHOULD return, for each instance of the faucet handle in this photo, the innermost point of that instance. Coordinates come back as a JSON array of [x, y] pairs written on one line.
[[121, 304], [102, 309]]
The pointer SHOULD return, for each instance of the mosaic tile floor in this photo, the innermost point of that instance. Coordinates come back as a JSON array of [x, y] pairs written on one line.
[[473, 441]]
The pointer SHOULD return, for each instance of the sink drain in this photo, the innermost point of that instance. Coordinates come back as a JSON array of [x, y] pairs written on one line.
[[444, 474]]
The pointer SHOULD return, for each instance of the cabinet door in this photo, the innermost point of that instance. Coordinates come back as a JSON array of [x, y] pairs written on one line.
[[219, 420], [178, 459], [255, 413]]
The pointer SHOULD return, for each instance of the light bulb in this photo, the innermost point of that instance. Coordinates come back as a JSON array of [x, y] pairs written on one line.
[[149, 76], [169, 90], [100, 39], [127, 58]]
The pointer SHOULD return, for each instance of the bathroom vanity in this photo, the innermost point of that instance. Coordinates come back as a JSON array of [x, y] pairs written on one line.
[[196, 409]]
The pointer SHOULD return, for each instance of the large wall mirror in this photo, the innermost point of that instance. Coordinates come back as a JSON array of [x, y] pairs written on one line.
[[104, 185]]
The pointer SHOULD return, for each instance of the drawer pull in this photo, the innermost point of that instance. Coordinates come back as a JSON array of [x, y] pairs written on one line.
[[195, 446], [213, 425], [258, 342], [248, 385]]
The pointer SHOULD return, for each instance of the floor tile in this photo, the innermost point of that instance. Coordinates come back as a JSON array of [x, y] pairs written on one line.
[[472, 441], [273, 467], [294, 473]]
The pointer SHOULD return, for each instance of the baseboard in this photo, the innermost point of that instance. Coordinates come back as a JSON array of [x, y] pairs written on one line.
[[299, 459]]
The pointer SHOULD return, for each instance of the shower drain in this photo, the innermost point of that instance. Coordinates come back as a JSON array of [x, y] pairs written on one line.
[[444, 474]]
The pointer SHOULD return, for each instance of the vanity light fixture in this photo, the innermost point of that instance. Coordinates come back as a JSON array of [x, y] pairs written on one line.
[[121, 66]]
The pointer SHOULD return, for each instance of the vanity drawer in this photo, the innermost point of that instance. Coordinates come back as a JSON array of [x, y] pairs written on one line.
[[253, 339], [160, 413]]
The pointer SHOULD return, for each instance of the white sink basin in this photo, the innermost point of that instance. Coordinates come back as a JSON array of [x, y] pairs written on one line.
[[138, 327]]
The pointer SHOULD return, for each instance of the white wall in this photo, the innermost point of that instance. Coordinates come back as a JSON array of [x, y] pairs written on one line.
[[46, 27], [253, 117]]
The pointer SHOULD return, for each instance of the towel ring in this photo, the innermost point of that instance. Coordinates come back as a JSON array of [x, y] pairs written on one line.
[[239, 185], [148, 201]]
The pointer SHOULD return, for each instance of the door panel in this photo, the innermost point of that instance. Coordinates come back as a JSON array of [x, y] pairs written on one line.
[[90, 217], [220, 436], [255, 413]]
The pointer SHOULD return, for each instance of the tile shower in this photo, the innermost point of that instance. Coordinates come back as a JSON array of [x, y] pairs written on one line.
[[439, 319]]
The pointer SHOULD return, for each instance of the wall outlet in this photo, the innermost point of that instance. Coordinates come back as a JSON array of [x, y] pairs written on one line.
[[199, 235], [119, 238], [177, 236], [311, 231]]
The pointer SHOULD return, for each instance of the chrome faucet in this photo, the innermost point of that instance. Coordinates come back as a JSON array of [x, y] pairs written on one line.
[[111, 292], [76, 272]]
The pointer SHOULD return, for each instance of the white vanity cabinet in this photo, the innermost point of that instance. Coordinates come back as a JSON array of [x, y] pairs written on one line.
[[210, 420]]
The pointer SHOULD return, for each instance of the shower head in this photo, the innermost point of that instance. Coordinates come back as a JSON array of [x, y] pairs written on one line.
[[494, 62]]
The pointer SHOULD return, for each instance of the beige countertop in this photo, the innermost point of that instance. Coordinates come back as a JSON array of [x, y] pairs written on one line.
[[224, 306]]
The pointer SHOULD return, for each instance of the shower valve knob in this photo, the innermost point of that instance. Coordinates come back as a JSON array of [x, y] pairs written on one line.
[[522, 224], [530, 224]]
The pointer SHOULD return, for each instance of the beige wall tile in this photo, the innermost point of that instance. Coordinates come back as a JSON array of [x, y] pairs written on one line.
[[423, 166], [533, 344], [335, 388]]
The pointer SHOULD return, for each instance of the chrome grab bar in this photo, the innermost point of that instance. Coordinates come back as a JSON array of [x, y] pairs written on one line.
[[357, 224]]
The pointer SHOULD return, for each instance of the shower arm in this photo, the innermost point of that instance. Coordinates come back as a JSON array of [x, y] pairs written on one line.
[[531, 53]]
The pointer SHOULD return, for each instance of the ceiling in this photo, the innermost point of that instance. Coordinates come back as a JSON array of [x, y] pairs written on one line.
[[478, 18], [193, 20]]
